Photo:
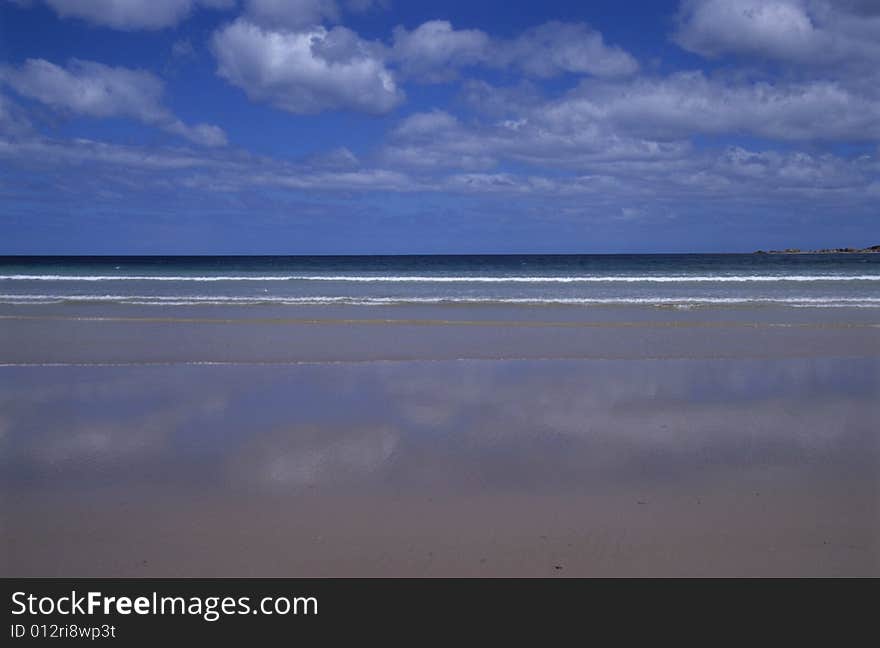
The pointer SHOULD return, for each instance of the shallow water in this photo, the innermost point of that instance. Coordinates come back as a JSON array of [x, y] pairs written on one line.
[[722, 280], [562, 467]]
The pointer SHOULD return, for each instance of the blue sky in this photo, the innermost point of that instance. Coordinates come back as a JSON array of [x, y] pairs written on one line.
[[365, 126]]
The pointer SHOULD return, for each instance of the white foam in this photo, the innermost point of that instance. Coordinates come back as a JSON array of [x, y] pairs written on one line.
[[180, 300], [454, 279]]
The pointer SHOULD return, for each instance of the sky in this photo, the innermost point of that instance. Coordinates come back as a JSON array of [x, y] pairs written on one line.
[[392, 127]]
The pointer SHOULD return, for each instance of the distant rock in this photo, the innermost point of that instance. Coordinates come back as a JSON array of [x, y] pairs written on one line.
[[874, 249]]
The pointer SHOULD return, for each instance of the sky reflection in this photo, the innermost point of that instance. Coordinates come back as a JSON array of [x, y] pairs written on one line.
[[470, 424]]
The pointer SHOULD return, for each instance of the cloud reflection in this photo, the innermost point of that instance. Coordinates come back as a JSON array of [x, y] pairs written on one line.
[[467, 424]]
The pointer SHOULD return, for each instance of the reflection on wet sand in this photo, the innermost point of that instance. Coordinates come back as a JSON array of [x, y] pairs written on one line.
[[581, 467]]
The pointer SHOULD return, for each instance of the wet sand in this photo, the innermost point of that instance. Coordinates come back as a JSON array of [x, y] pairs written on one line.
[[126, 334], [504, 443]]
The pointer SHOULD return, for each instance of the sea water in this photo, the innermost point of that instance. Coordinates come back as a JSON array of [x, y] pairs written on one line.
[[684, 280]]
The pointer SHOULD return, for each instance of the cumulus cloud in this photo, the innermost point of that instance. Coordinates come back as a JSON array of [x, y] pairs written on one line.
[[686, 104], [634, 137], [133, 14], [780, 28], [306, 71], [817, 32], [689, 103], [606, 139], [440, 141], [556, 47], [435, 51], [791, 170], [617, 144], [436, 139], [426, 124], [97, 90]]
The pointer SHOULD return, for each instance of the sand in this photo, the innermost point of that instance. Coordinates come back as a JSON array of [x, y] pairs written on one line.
[[439, 442]]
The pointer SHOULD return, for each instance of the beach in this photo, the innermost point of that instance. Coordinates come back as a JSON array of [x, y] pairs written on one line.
[[657, 437]]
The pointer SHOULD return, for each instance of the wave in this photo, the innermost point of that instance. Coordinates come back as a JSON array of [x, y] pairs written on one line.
[[454, 279], [209, 300]]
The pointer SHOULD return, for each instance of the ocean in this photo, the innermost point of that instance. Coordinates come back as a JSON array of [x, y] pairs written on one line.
[[671, 280]]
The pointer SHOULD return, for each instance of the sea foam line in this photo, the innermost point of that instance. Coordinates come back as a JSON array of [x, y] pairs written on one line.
[[453, 279], [181, 300]]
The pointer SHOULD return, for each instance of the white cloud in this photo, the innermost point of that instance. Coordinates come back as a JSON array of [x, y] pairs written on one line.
[[88, 165], [618, 138], [427, 124], [735, 174], [610, 179], [360, 180], [686, 104], [307, 71], [556, 47], [634, 138], [12, 118], [779, 28], [437, 140], [689, 103], [204, 134], [435, 51], [38, 151], [620, 144], [133, 14], [97, 90], [818, 32], [337, 159], [88, 88]]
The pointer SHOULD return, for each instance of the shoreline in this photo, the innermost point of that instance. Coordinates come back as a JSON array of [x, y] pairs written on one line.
[[216, 334]]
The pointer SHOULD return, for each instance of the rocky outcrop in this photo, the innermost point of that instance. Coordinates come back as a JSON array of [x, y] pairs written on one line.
[[874, 249]]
